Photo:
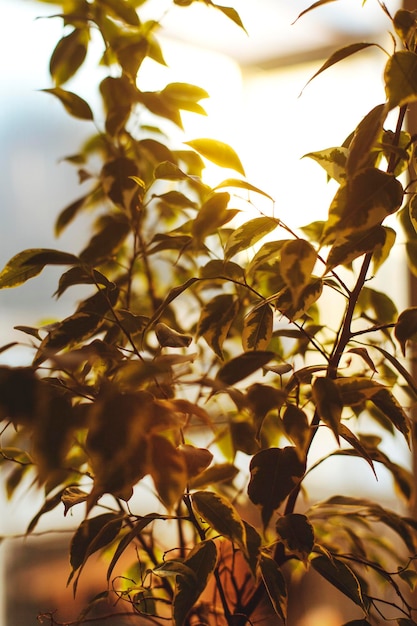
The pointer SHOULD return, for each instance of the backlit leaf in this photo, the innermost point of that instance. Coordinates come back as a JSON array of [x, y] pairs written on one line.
[[275, 585], [365, 202], [298, 258], [168, 337], [354, 246], [246, 235], [237, 183], [339, 55], [68, 55], [401, 78], [274, 474], [215, 474], [257, 328], [364, 139], [404, 24], [212, 215], [232, 14], [218, 152], [30, 263], [332, 160], [221, 515], [73, 104]]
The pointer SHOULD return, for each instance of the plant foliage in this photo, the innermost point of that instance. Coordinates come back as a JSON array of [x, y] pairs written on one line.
[[201, 342]]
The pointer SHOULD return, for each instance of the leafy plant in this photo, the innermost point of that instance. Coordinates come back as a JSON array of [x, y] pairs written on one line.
[[202, 339]]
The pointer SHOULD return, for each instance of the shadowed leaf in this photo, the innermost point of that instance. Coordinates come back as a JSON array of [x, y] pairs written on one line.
[[275, 585]]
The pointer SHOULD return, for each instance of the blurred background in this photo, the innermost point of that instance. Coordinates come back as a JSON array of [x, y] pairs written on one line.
[[259, 103]]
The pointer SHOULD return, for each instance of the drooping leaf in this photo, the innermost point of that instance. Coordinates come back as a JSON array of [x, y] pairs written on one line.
[[72, 496], [246, 235], [341, 576], [275, 585], [313, 6], [221, 515], [73, 104], [196, 459], [129, 538], [68, 214], [243, 365], [232, 14], [30, 263], [274, 474], [216, 318], [329, 403], [202, 562], [257, 328], [92, 535], [401, 78], [218, 152], [388, 404], [405, 24]]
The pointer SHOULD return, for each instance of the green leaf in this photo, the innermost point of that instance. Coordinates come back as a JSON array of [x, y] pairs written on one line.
[[387, 403], [168, 337], [232, 14], [69, 55], [405, 328], [73, 104], [404, 24], [297, 427], [364, 139], [236, 183], [201, 561], [329, 403], [332, 160], [218, 152], [216, 318], [168, 470], [246, 235], [365, 202], [92, 535], [339, 55], [354, 246], [257, 328], [129, 538], [297, 534], [244, 365], [112, 230], [30, 263], [315, 5], [221, 515], [298, 258], [274, 474], [275, 585], [340, 576], [401, 78], [212, 215]]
